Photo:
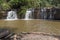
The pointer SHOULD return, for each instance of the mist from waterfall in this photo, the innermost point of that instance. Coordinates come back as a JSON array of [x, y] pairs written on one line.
[[28, 14], [12, 15]]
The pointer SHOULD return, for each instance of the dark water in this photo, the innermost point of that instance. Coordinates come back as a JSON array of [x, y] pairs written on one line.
[[46, 26]]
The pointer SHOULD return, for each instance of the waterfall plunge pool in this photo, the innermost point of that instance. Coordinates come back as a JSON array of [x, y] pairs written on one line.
[[46, 26]]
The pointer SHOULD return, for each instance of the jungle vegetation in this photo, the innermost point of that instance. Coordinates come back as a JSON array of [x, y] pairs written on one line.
[[23, 5]]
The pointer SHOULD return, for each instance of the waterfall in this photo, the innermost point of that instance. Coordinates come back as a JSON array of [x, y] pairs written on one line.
[[28, 14], [12, 15]]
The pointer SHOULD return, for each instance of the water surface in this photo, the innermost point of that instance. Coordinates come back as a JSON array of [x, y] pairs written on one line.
[[46, 26]]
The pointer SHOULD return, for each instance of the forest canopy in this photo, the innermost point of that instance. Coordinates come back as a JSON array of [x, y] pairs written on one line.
[[23, 5], [8, 4]]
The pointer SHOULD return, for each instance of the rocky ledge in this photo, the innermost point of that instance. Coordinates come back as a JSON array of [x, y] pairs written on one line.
[[8, 35], [28, 36]]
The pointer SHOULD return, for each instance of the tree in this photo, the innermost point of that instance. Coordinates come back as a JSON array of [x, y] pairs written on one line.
[[26, 4]]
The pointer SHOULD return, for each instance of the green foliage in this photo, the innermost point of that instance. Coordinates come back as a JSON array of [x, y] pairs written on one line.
[[22, 10], [23, 5], [28, 3], [5, 6]]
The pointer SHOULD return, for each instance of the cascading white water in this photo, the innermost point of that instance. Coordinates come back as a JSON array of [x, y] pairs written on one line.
[[28, 14], [12, 15]]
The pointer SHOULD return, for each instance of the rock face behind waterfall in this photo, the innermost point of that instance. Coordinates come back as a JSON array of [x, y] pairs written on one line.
[[57, 14], [36, 13]]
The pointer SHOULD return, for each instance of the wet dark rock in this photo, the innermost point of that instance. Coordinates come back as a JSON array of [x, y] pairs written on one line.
[[4, 33]]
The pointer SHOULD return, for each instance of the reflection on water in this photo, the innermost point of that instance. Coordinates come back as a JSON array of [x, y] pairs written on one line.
[[33, 26]]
